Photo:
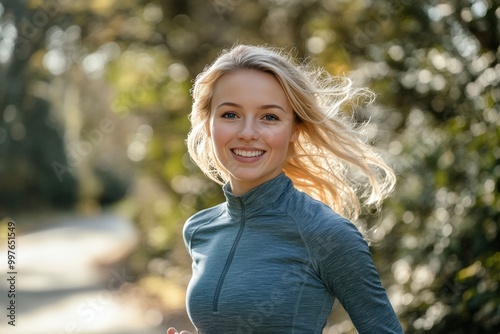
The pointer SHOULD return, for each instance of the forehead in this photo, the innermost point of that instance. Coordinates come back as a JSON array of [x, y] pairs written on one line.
[[249, 85]]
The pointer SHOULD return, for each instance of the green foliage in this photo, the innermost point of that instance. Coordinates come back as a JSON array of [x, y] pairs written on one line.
[[433, 64]]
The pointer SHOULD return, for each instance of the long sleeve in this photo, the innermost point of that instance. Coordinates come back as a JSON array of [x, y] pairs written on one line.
[[345, 265]]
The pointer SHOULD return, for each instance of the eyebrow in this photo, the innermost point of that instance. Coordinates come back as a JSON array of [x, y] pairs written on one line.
[[264, 107]]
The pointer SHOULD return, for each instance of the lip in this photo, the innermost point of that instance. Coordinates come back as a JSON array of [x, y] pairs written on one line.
[[253, 154]]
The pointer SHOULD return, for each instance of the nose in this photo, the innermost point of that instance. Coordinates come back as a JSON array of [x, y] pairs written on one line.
[[248, 131]]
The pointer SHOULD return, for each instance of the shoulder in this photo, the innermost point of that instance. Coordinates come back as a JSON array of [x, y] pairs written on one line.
[[201, 218], [324, 230], [314, 216]]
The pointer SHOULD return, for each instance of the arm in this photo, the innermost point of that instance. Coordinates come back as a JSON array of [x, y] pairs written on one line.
[[345, 264]]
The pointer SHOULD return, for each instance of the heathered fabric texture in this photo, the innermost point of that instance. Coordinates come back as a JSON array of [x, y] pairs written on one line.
[[274, 260]]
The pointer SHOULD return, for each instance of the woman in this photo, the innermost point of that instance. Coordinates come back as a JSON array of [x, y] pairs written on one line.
[[276, 254]]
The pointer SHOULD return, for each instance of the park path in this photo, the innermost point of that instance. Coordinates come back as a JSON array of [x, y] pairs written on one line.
[[68, 280]]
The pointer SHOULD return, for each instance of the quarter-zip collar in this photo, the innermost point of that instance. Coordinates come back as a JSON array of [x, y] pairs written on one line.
[[261, 196]]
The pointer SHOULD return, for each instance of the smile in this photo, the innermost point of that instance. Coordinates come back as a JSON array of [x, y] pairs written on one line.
[[248, 154]]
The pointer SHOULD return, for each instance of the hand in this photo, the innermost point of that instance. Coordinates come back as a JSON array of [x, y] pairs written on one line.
[[172, 330]]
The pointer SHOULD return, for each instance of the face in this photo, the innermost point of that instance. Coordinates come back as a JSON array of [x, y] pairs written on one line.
[[251, 127]]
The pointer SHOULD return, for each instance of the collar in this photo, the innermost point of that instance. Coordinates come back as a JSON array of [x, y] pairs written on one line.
[[263, 195]]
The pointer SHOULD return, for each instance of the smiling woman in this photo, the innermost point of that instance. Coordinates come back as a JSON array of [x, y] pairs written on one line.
[[280, 250], [251, 126]]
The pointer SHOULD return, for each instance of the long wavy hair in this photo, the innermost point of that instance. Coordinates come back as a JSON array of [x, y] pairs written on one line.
[[330, 161]]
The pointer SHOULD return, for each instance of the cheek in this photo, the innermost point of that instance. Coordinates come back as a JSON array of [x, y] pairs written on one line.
[[278, 139], [220, 134]]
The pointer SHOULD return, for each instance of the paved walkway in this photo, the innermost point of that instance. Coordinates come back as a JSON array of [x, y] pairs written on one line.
[[66, 281]]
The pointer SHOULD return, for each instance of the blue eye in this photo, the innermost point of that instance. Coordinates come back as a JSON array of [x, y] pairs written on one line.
[[229, 115], [270, 117]]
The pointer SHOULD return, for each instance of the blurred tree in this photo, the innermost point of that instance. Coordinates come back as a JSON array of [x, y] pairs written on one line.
[[49, 140], [29, 140]]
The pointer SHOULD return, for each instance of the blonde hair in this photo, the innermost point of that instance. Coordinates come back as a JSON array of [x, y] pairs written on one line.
[[329, 160]]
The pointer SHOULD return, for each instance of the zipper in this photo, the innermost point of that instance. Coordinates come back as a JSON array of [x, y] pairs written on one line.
[[229, 260]]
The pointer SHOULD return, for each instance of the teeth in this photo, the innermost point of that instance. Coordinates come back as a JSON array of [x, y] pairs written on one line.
[[248, 154]]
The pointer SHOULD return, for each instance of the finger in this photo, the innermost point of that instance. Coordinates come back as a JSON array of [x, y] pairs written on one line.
[[172, 330], [185, 332]]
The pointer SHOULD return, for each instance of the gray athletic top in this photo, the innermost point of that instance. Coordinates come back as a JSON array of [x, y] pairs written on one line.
[[274, 260]]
